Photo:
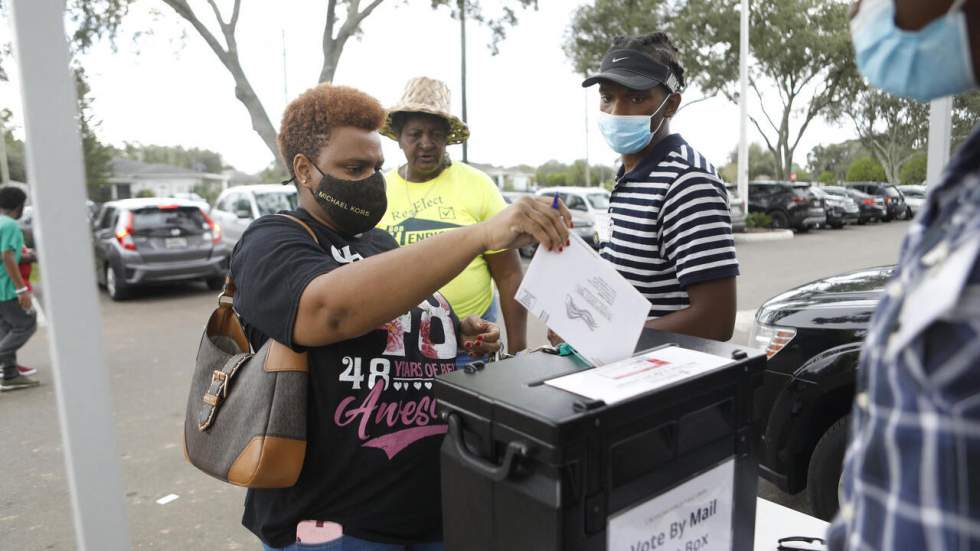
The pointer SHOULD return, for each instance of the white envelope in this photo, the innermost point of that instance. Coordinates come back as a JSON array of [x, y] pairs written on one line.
[[584, 299]]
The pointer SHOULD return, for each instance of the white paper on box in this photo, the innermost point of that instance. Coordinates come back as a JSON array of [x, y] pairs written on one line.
[[695, 516], [642, 373], [581, 297]]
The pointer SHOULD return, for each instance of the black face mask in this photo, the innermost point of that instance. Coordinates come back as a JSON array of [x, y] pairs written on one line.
[[354, 206]]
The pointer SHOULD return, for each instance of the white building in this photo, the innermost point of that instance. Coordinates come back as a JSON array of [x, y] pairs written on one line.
[[135, 178]]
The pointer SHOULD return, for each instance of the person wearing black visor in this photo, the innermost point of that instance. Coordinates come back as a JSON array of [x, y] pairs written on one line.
[[671, 228]]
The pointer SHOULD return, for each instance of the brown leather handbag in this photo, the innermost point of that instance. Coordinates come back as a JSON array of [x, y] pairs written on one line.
[[246, 414]]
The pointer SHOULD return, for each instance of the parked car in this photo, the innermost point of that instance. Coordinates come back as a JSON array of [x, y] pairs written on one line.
[[191, 196], [841, 209], [156, 240], [812, 336], [870, 209], [735, 208], [894, 201], [788, 204], [511, 196], [593, 202], [584, 224], [26, 220], [238, 206], [915, 197]]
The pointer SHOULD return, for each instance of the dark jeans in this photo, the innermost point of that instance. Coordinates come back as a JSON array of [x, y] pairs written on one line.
[[16, 328], [348, 543]]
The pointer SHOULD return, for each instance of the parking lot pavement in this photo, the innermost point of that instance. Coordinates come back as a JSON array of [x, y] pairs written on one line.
[[151, 342]]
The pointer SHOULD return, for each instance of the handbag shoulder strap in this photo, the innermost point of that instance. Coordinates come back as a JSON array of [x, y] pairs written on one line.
[[228, 291]]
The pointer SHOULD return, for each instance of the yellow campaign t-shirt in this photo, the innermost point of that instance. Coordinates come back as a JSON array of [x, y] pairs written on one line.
[[460, 196]]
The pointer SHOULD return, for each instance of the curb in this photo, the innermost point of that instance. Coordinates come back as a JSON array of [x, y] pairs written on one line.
[[777, 235]]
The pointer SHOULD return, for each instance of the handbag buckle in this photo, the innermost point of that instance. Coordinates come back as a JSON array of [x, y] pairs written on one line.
[[219, 382]]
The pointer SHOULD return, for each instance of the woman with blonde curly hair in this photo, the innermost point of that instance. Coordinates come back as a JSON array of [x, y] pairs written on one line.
[[376, 330]]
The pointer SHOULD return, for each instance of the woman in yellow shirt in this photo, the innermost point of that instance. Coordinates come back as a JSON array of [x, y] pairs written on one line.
[[430, 194]]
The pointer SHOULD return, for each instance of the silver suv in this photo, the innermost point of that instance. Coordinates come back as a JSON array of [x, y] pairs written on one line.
[[239, 206]]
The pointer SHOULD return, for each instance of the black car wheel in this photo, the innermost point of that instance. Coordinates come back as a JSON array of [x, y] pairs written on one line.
[[779, 220], [837, 225], [215, 283], [117, 290], [826, 466]]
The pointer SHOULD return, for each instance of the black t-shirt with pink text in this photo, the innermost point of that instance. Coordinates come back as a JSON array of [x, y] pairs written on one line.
[[372, 458]]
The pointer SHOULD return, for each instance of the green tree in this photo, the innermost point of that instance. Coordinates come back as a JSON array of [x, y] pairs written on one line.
[[865, 169], [202, 160], [15, 149], [273, 173], [337, 31], [835, 158], [966, 116], [808, 62], [88, 22], [827, 178], [801, 173], [595, 26], [913, 172], [97, 156], [762, 164], [890, 127]]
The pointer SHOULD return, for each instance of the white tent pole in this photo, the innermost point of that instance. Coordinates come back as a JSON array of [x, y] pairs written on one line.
[[54, 168], [743, 108], [940, 138]]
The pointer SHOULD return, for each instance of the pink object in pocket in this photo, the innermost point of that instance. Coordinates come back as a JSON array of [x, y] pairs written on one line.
[[318, 531]]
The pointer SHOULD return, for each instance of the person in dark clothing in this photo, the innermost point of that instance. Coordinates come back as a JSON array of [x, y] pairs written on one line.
[[911, 477], [376, 330]]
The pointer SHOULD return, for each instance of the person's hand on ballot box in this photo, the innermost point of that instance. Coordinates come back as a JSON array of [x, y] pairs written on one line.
[[479, 337], [554, 338]]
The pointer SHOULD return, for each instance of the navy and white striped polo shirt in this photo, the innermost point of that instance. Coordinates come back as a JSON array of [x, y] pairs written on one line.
[[671, 227]]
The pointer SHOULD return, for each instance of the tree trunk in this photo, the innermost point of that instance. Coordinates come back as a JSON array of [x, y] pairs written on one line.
[[331, 58], [260, 119]]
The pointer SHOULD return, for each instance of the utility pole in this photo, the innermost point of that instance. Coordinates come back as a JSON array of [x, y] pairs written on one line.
[[462, 49], [940, 142], [4, 169], [588, 175], [285, 85], [743, 107]]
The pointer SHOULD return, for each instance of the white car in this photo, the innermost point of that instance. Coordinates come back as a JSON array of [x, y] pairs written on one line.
[[238, 206], [915, 196], [593, 201]]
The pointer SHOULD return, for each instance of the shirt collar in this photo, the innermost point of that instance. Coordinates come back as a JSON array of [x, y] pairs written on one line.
[[649, 163]]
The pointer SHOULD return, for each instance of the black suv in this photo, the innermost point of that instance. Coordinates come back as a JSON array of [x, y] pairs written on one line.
[[788, 204], [812, 336], [894, 200]]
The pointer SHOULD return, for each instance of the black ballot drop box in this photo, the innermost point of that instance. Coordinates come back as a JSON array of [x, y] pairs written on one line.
[[528, 466]]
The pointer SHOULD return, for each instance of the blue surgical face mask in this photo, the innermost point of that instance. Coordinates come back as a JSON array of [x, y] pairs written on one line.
[[927, 64], [627, 134]]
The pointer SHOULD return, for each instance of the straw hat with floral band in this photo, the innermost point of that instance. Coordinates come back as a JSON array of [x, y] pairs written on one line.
[[431, 96]]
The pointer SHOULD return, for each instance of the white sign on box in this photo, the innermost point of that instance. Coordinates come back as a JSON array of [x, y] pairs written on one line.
[[631, 377], [584, 299], [695, 516]]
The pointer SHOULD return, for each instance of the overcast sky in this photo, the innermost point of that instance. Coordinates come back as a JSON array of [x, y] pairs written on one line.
[[525, 104]]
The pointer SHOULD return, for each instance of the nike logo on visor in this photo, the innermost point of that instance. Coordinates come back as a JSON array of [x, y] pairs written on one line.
[[617, 59]]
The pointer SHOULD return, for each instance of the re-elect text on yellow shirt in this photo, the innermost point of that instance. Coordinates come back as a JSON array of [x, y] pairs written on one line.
[[460, 196]]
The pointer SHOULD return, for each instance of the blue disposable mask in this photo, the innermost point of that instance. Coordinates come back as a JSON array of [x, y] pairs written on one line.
[[927, 64], [627, 134]]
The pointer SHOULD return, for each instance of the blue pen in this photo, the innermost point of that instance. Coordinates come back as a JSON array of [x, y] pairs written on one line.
[[554, 205]]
